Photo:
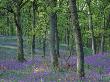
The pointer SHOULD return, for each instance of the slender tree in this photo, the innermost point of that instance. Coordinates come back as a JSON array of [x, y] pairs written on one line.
[[91, 26], [57, 42], [78, 38], [34, 25], [53, 26], [17, 18], [102, 35]]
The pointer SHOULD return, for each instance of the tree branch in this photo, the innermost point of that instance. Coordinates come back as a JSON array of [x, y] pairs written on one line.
[[9, 10], [24, 3]]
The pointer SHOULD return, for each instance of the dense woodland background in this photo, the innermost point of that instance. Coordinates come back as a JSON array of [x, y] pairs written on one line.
[[57, 28]]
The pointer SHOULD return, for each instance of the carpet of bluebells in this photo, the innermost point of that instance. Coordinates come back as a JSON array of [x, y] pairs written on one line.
[[97, 68]]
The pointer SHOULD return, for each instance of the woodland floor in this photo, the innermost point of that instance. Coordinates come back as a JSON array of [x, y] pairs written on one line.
[[97, 67]]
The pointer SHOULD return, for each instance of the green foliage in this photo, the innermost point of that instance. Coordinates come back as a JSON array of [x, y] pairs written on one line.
[[87, 51]]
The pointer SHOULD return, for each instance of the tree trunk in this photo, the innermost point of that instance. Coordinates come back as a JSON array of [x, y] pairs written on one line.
[[102, 36], [102, 43], [8, 24], [53, 26], [57, 42], [20, 51], [91, 28], [65, 37], [44, 45], [11, 29], [68, 36], [33, 36], [107, 28], [78, 39]]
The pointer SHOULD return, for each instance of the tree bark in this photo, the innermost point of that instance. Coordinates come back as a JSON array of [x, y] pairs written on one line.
[[68, 36], [91, 28], [107, 28], [53, 26], [20, 51], [57, 42], [11, 28], [102, 36], [8, 24], [78, 38], [44, 45], [34, 24]]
